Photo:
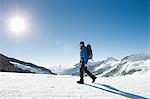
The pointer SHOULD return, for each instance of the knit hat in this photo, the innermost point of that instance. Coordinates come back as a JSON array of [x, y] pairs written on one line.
[[82, 42]]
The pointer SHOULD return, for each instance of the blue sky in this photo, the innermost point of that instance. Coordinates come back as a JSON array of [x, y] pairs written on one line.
[[114, 28]]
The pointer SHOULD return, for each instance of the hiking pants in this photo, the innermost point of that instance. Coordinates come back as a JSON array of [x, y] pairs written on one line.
[[84, 69]]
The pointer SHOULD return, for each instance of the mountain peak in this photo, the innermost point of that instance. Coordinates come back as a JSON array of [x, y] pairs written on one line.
[[110, 59]]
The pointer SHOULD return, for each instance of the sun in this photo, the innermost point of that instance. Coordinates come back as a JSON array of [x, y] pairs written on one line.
[[17, 25]]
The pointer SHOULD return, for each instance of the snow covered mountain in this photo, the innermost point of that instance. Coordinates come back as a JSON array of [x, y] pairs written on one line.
[[58, 69], [39, 86], [13, 65], [137, 63]]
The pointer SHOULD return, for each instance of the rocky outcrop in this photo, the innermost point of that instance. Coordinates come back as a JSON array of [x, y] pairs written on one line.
[[6, 65]]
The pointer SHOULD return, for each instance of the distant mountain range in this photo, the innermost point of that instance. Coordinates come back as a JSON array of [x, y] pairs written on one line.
[[137, 63], [8, 64], [132, 64]]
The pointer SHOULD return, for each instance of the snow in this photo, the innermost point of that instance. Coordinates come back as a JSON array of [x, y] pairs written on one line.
[[136, 63], [44, 86], [136, 57], [107, 63], [58, 69], [29, 68], [116, 79]]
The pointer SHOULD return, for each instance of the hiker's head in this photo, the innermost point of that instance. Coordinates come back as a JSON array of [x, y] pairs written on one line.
[[82, 44]]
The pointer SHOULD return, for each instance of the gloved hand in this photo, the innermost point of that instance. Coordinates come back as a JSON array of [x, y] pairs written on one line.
[[80, 62]]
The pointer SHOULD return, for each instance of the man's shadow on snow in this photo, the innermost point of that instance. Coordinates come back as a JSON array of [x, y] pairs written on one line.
[[117, 91]]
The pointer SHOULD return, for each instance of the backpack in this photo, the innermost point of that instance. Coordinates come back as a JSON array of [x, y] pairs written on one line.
[[89, 51]]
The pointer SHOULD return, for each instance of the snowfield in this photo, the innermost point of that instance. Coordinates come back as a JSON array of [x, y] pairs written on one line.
[[44, 86], [116, 79]]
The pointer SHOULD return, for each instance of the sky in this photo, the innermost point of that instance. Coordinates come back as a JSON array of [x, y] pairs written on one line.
[[54, 28]]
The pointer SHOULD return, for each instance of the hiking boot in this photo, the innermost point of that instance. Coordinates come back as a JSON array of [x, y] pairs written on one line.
[[94, 79], [80, 82]]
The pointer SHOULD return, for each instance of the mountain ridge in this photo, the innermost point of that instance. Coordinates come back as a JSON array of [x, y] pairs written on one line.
[[8, 64], [135, 63]]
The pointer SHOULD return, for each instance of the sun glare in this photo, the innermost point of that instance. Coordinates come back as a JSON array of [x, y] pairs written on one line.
[[17, 25]]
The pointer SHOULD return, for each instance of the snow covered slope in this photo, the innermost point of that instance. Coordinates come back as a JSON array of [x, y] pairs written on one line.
[[37, 70], [58, 69], [137, 63], [42, 86], [8, 64]]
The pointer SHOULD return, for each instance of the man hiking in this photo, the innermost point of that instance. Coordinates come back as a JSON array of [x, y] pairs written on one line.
[[83, 62]]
